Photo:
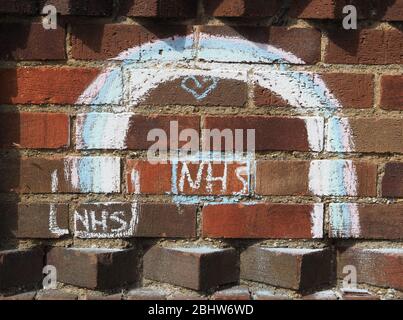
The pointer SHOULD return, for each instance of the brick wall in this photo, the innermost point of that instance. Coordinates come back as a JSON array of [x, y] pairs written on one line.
[[322, 190]]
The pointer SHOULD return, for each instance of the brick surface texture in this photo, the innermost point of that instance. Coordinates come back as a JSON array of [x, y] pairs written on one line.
[[201, 150]]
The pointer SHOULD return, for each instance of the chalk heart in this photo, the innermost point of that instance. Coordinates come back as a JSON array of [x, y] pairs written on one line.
[[200, 89]]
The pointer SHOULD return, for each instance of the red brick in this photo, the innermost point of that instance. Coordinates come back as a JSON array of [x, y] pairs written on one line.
[[379, 267], [34, 130], [104, 41], [298, 269], [14, 271], [262, 220], [366, 221], [152, 220], [159, 8], [55, 85], [234, 293], [225, 93], [271, 133], [392, 181], [302, 42], [380, 135], [82, 7], [200, 268], [94, 268], [241, 8], [291, 177], [32, 220], [157, 178], [391, 92], [31, 42], [365, 46], [22, 7]]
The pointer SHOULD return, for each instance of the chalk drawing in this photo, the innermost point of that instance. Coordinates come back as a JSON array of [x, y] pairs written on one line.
[[204, 86]]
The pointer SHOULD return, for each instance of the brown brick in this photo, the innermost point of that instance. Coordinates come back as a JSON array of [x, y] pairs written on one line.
[[284, 177], [192, 91], [381, 135], [55, 295], [234, 293], [44, 85], [100, 42], [381, 267], [31, 42], [358, 295], [111, 297], [391, 92], [298, 269], [366, 221], [241, 8], [392, 181], [25, 296], [145, 294], [152, 220], [34, 130], [14, 271], [262, 220], [365, 46], [94, 268], [271, 133], [200, 268], [32, 220], [82, 7], [23, 7], [159, 8], [302, 42]]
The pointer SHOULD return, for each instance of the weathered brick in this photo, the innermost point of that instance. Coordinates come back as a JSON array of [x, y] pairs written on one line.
[[34, 220], [381, 135], [339, 84], [204, 177], [34, 130], [14, 271], [262, 220], [82, 7], [159, 8], [392, 181], [55, 295], [44, 85], [125, 220], [145, 294], [94, 268], [391, 92], [321, 295], [271, 133], [366, 46], [294, 177], [31, 42], [57, 174], [25, 296], [381, 267], [269, 295], [200, 268], [234, 293], [302, 42], [366, 221], [22, 7], [192, 91], [298, 269], [111, 297], [99, 42], [241, 8]]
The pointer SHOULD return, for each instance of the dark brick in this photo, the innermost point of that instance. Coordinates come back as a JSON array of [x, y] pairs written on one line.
[[82, 7], [391, 92], [26, 296], [392, 181], [199, 268], [32, 220], [14, 271], [152, 220], [31, 42], [94, 268], [22, 7], [298, 269], [159, 8], [241, 8]]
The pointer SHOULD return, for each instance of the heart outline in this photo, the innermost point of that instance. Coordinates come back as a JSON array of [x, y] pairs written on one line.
[[199, 96]]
